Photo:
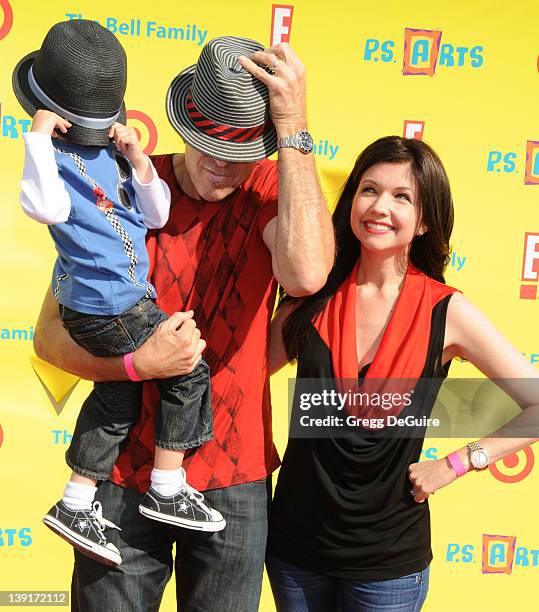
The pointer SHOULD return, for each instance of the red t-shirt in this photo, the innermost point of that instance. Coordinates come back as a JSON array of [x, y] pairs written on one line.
[[210, 257]]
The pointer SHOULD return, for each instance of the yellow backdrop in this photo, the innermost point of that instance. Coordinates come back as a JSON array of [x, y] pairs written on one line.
[[462, 75]]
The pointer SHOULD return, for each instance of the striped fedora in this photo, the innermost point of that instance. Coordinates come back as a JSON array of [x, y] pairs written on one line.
[[219, 108]]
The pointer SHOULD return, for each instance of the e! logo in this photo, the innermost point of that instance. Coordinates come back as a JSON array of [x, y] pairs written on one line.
[[281, 23], [413, 129], [7, 22], [530, 267], [139, 117]]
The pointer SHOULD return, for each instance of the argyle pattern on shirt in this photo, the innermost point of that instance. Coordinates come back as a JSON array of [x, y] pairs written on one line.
[[210, 257]]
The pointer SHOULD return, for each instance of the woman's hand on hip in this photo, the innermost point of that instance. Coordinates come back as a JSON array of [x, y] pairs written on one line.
[[429, 476]]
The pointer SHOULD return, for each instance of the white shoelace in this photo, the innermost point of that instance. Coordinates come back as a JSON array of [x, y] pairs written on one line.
[[99, 519], [194, 494]]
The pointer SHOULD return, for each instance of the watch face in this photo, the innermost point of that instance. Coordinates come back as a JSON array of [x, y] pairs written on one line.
[[479, 459], [305, 142]]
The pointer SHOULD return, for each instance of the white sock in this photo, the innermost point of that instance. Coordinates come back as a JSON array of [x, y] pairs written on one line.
[[79, 496], [167, 482]]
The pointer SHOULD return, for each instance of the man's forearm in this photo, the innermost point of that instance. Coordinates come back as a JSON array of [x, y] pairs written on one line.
[[173, 349], [304, 243], [53, 344], [301, 240]]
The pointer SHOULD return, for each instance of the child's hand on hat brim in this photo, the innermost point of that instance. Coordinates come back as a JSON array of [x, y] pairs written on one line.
[[47, 122], [126, 141]]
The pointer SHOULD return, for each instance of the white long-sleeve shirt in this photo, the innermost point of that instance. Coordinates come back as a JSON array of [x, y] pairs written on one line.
[[45, 198]]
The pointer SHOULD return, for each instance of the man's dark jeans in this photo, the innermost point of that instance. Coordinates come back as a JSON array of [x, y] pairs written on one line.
[[184, 419], [215, 572]]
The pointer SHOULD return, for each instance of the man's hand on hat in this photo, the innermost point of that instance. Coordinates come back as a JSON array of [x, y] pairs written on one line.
[[284, 75], [126, 141], [47, 122]]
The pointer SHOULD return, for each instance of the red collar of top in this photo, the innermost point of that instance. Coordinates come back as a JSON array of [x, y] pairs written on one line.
[[221, 130], [403, 350]]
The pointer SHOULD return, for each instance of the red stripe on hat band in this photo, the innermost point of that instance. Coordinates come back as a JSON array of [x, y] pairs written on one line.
[[221, 130]]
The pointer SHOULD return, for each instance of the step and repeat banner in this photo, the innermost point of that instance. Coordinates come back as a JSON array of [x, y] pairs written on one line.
[[463, 76]]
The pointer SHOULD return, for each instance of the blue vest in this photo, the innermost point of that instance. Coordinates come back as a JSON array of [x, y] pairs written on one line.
[[102, 264]]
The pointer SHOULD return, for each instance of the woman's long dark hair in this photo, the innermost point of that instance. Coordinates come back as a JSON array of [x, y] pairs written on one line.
[[428, 252]]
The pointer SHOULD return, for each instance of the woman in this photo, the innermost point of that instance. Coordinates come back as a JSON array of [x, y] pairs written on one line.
[[348, 526]]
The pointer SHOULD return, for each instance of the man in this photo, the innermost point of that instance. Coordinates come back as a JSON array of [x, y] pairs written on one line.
[[226, 245]]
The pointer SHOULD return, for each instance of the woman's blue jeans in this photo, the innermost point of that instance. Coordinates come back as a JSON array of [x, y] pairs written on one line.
[[298, 590]]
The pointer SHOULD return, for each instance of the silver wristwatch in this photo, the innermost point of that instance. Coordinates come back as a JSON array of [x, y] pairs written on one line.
[[478, 456], [302, 141]]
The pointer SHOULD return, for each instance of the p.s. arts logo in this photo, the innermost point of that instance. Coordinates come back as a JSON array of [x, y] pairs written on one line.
[[57, 384], [281, 23], [515, 467], [531, 173], [510, 163], [13, 127], [144, 128], [498, 554], [532, 357], [423, 51], [6, 18], [530, 267], [429, 453], [15, 536]]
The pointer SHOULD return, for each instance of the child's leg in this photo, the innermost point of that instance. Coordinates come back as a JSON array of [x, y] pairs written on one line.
[[167, 478], [104, 421], [184, 421], [79, 492], [168, 459]]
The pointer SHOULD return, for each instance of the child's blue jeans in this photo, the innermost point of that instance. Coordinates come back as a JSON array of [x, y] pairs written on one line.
[[184, 418]]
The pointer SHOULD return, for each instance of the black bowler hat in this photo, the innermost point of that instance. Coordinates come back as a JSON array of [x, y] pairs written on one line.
[[80, 73]]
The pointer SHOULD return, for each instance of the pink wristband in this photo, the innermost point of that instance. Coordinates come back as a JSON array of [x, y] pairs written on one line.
[[130, 368], [456, 464]]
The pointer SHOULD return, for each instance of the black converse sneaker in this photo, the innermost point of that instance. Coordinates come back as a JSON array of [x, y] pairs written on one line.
[[83, 529], [185, 509]]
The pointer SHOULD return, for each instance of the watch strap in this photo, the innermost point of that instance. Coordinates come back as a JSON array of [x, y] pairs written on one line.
[[288, 141]]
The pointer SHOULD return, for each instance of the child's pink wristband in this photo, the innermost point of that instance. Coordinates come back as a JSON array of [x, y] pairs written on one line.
[[130, 368], [456, 464]]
